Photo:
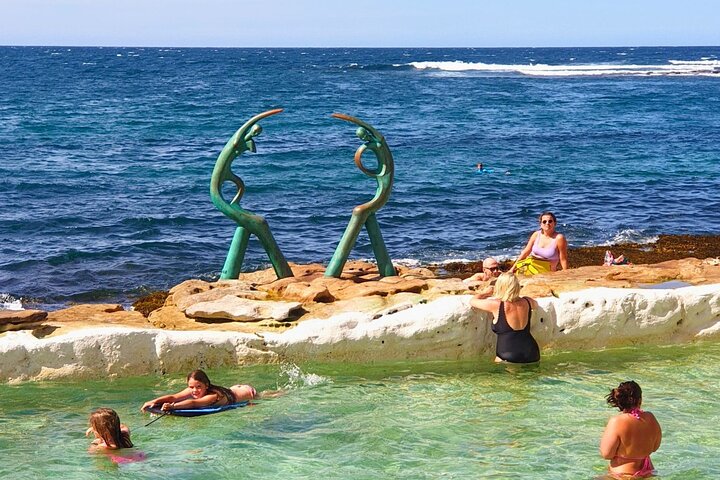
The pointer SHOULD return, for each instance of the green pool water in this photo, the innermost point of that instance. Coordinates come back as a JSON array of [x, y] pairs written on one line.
[[405, 420]]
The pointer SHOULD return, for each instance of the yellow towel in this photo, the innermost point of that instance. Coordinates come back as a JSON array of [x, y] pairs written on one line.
[[532, 266]]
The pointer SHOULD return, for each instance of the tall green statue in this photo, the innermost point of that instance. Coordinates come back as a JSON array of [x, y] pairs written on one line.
[[248, 223], [365, 214]]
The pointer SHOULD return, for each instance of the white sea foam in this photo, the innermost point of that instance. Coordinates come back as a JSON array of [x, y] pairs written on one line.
[[631, 236], [8, 302], [408, 262], [674, 67]]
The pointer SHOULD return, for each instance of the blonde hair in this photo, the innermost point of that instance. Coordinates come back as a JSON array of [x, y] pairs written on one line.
[[507, 287]]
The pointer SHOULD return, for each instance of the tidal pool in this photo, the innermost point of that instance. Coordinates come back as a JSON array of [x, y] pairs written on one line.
[[402, 420]]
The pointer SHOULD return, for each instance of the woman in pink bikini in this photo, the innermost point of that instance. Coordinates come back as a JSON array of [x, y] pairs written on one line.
[[631, 436], [545, 250]]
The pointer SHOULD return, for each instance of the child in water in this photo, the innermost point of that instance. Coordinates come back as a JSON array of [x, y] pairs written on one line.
[[200, 393], [110, 434]]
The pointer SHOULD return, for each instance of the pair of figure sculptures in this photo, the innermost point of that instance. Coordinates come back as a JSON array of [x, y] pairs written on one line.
[[252, 224]]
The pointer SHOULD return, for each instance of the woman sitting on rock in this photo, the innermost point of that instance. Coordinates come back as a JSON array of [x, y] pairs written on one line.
[[511, 321], [545, 251]]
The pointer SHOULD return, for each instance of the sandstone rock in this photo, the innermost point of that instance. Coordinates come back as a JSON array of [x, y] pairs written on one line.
[[242, 309], [185, 289], [267, 276], [386, 286], [418, 272], [278, 286], [171, 317], [308, 292], [218, 291], [22, 316], [11, 320], [360, 304], [81, 315], [343, 289], [451, 286], [373, 305]]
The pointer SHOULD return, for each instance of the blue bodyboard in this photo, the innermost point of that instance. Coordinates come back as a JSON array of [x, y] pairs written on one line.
[[196, 412]]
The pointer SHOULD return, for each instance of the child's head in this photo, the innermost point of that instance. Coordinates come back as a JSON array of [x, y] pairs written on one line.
[[105, 423], [198, 382]]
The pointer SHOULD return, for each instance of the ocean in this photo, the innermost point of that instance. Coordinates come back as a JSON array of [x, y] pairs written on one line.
[[106, 155]]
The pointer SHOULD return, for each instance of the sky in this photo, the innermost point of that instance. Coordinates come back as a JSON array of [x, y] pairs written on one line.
[[369, 23]]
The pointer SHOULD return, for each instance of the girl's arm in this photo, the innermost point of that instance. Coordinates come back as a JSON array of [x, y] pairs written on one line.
[[206, 401], [562, 250], [610, 440], [526, 251], [166, 399]]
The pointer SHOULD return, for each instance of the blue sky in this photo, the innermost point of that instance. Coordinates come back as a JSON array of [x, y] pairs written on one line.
[[370, 23]]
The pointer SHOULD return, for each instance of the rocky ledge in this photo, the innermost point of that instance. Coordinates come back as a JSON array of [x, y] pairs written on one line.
[[360, 317]]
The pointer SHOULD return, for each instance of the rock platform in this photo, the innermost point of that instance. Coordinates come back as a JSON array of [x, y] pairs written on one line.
[[360, 317]]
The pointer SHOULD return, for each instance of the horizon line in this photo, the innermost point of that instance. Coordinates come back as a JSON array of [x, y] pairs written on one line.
[[349, 47]]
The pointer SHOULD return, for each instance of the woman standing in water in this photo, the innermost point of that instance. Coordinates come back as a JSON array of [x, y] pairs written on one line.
[[511, 320], [631, 436]]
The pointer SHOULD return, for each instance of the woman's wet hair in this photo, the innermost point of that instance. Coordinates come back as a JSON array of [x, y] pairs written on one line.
[[626, 396], [507, 287], [202, 377], [106, 424], [550, 214]]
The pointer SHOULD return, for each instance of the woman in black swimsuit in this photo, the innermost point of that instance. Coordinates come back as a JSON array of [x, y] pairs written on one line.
[[511, 321]]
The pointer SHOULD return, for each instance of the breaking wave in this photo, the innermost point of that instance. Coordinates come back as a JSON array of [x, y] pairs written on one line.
[[674, 67]]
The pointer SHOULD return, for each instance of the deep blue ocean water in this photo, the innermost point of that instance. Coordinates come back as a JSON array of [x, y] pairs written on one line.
[[106, 155]]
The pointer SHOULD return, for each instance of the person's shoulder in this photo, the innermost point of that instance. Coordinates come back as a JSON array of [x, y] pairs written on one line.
[[650, 415], [612, 422], [617, 422]]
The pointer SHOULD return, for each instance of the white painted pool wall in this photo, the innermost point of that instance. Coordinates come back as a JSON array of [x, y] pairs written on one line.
[[444, 329]]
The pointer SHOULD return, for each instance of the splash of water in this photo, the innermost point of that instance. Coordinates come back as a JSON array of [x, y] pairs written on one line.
[[297, 378], [8, 302]]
